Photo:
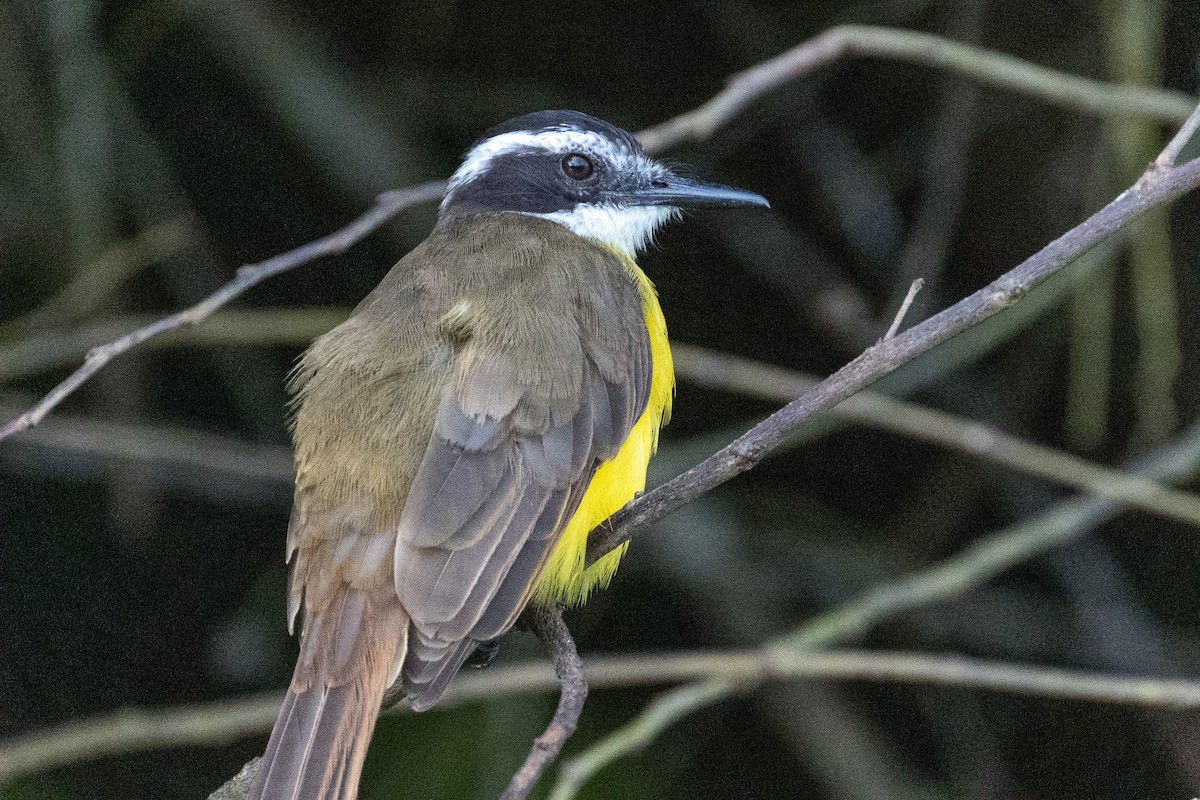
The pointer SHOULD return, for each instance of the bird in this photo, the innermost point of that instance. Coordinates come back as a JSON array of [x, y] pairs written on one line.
[[492, 400]]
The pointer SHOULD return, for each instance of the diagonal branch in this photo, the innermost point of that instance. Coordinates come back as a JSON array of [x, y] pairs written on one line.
[[1159, 185], [386, 207]]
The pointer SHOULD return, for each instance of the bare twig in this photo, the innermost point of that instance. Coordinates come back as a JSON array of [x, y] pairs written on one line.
[[987, 66], [1185, 134], [901, 312], [720, 370], [1158, 186], [387, 206], [991, 555], [131, 730], [219, 467], [54, 348], [550, 628], [219, 723]]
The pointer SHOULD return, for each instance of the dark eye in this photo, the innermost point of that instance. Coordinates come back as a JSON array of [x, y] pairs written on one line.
[[577, 166]]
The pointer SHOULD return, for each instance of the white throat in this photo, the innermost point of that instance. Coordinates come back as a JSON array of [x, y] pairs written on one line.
[[628, 229]]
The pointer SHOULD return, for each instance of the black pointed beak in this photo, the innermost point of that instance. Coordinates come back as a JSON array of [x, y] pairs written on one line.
[[672, 190]]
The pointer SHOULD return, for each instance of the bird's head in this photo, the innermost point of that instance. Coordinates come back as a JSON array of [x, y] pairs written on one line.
[[583, 173]]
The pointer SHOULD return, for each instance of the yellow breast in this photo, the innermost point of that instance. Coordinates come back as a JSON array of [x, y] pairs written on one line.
[[615, 483]]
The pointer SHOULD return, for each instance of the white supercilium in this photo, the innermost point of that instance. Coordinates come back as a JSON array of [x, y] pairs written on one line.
[[552, 140]]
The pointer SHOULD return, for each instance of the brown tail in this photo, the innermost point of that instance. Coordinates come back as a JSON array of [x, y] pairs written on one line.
[[348, 654]]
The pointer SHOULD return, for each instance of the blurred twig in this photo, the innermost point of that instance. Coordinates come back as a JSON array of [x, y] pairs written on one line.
[[635, 735], [222, 468], [1134, 31], [718, 370], [84, 137], [95, 282], [385, 208], [997, 69], [217, 723]]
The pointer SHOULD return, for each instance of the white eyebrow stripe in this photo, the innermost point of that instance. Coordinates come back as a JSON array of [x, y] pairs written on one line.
[[551, 140]]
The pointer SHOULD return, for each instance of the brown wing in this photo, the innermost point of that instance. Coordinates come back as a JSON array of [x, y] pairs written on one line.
[[545, 385]]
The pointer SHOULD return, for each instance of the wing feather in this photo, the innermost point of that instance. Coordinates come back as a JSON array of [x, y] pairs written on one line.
[[532, 404]]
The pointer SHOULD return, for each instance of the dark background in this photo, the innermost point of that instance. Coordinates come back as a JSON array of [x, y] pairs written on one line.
[[141, 563]]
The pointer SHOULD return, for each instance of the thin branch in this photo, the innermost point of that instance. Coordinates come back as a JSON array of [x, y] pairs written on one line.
[[219, 467], [1158, 186], [718, 370], [132, 730], [913, 668], [387, 206], [902, 312], [1185, 134], [987, 66], [219, 723], [991, 555], [53, 348], [550, 628]]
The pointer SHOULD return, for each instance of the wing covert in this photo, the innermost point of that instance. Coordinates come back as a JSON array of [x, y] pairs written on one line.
[[531, 406]]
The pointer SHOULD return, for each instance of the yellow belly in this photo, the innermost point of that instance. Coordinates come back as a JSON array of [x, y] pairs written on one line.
[[615, 483]]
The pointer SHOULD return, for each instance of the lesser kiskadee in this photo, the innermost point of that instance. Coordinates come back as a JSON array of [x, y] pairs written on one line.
[[496, 397]]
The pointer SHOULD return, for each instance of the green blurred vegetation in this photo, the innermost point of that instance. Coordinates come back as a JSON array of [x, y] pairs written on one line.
[[148, 148]]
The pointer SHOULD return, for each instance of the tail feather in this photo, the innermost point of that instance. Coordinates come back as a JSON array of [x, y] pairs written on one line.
[[320, 739], [318, 749]]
